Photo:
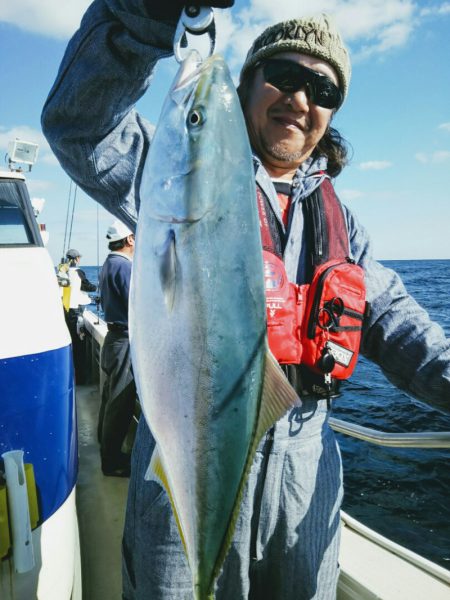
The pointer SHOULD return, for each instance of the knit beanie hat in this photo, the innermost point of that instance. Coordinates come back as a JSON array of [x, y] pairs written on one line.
[[315, 36]]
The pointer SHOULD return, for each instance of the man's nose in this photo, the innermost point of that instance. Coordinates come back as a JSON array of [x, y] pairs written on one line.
[[298, 100]]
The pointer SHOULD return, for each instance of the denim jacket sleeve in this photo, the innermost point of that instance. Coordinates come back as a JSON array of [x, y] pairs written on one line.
[[399, 335], [89, 117]]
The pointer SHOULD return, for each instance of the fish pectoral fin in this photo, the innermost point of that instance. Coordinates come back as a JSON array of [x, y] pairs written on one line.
[[156, 472], [278, 396], [168, 269]]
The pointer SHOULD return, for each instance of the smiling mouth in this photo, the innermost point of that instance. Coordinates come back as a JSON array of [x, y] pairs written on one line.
[[287, 122]]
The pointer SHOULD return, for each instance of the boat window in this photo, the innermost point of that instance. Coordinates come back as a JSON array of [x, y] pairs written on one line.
[[16, 226]]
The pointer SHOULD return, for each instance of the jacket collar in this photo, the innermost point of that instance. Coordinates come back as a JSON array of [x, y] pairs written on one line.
[[307, 178], [118, 253]]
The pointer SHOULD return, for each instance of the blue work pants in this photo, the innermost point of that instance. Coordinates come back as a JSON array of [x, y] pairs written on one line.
[[286, 542]]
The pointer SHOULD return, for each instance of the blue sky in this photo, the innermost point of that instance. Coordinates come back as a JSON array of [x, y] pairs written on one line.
[[397, 116]]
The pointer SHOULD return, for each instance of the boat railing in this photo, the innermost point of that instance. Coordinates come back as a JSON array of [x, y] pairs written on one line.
[[422, 439], [97, 330]]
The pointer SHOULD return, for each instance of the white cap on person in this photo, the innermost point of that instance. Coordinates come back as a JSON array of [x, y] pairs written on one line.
[[117, 231]]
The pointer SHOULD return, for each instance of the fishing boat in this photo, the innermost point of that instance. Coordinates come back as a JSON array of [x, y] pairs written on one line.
[[55, 546], [372, 566], [39, 544]]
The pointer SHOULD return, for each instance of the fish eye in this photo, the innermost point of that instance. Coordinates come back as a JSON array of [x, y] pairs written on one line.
[[195, 118]]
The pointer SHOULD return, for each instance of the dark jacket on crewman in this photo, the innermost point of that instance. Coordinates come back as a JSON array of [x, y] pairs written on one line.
[[115, 288], [86, 285]]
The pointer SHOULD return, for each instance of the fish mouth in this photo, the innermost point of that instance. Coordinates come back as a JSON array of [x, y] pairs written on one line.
[[191, 72]]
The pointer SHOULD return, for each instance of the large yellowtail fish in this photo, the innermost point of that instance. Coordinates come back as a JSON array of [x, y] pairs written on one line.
[[208, 385]]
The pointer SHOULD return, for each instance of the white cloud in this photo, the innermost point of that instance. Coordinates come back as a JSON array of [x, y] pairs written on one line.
[[369, 27], [49, 158], [440, 156], [39, 186], [379, 24], [445, 126], [348, 195], [46, 17], [368, 21], [375, 165], [437, 157], [391, 36], [21, 132], [27, 134], [443, 9]]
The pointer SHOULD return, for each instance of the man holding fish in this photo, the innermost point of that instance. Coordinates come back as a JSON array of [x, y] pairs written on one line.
[[236, 480]]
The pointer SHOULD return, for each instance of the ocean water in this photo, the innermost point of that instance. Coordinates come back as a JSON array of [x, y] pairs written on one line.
[[401, 493]]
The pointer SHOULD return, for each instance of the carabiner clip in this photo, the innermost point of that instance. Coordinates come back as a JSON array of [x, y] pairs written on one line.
[[196, 20]]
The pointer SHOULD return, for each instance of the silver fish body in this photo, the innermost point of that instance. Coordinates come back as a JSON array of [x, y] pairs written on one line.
[[197, 311]]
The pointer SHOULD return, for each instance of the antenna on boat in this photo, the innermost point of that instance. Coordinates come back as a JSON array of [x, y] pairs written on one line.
[[67, 221], [73, 213], [66, 228]]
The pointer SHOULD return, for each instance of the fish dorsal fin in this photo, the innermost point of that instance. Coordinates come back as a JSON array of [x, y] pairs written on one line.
[[277, 397], [156, 472]]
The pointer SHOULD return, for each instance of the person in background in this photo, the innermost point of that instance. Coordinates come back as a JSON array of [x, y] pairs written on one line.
[[119, 391], [295, 77], [75, 300]]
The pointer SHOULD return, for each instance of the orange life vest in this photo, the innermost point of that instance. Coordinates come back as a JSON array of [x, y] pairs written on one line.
[[317, 324]]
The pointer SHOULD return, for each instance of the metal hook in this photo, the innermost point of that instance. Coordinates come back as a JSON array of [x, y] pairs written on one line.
[[196, 20]]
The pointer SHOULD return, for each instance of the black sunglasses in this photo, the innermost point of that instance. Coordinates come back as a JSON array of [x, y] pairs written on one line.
[[289, 77]]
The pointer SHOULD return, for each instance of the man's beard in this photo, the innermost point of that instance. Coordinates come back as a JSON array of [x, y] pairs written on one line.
[[276, 150], [280, 153]]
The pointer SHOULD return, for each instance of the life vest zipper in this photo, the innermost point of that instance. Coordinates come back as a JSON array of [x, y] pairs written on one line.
[[318, 233]]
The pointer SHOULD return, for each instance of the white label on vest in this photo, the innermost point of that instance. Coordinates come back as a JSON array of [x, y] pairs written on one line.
[[341, 355], [274, 305]]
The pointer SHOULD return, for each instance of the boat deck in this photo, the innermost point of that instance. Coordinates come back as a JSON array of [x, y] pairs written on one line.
[[372, 567], [101, 506]]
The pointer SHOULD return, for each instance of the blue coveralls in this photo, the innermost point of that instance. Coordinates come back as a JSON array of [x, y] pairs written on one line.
[[286, 542]]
